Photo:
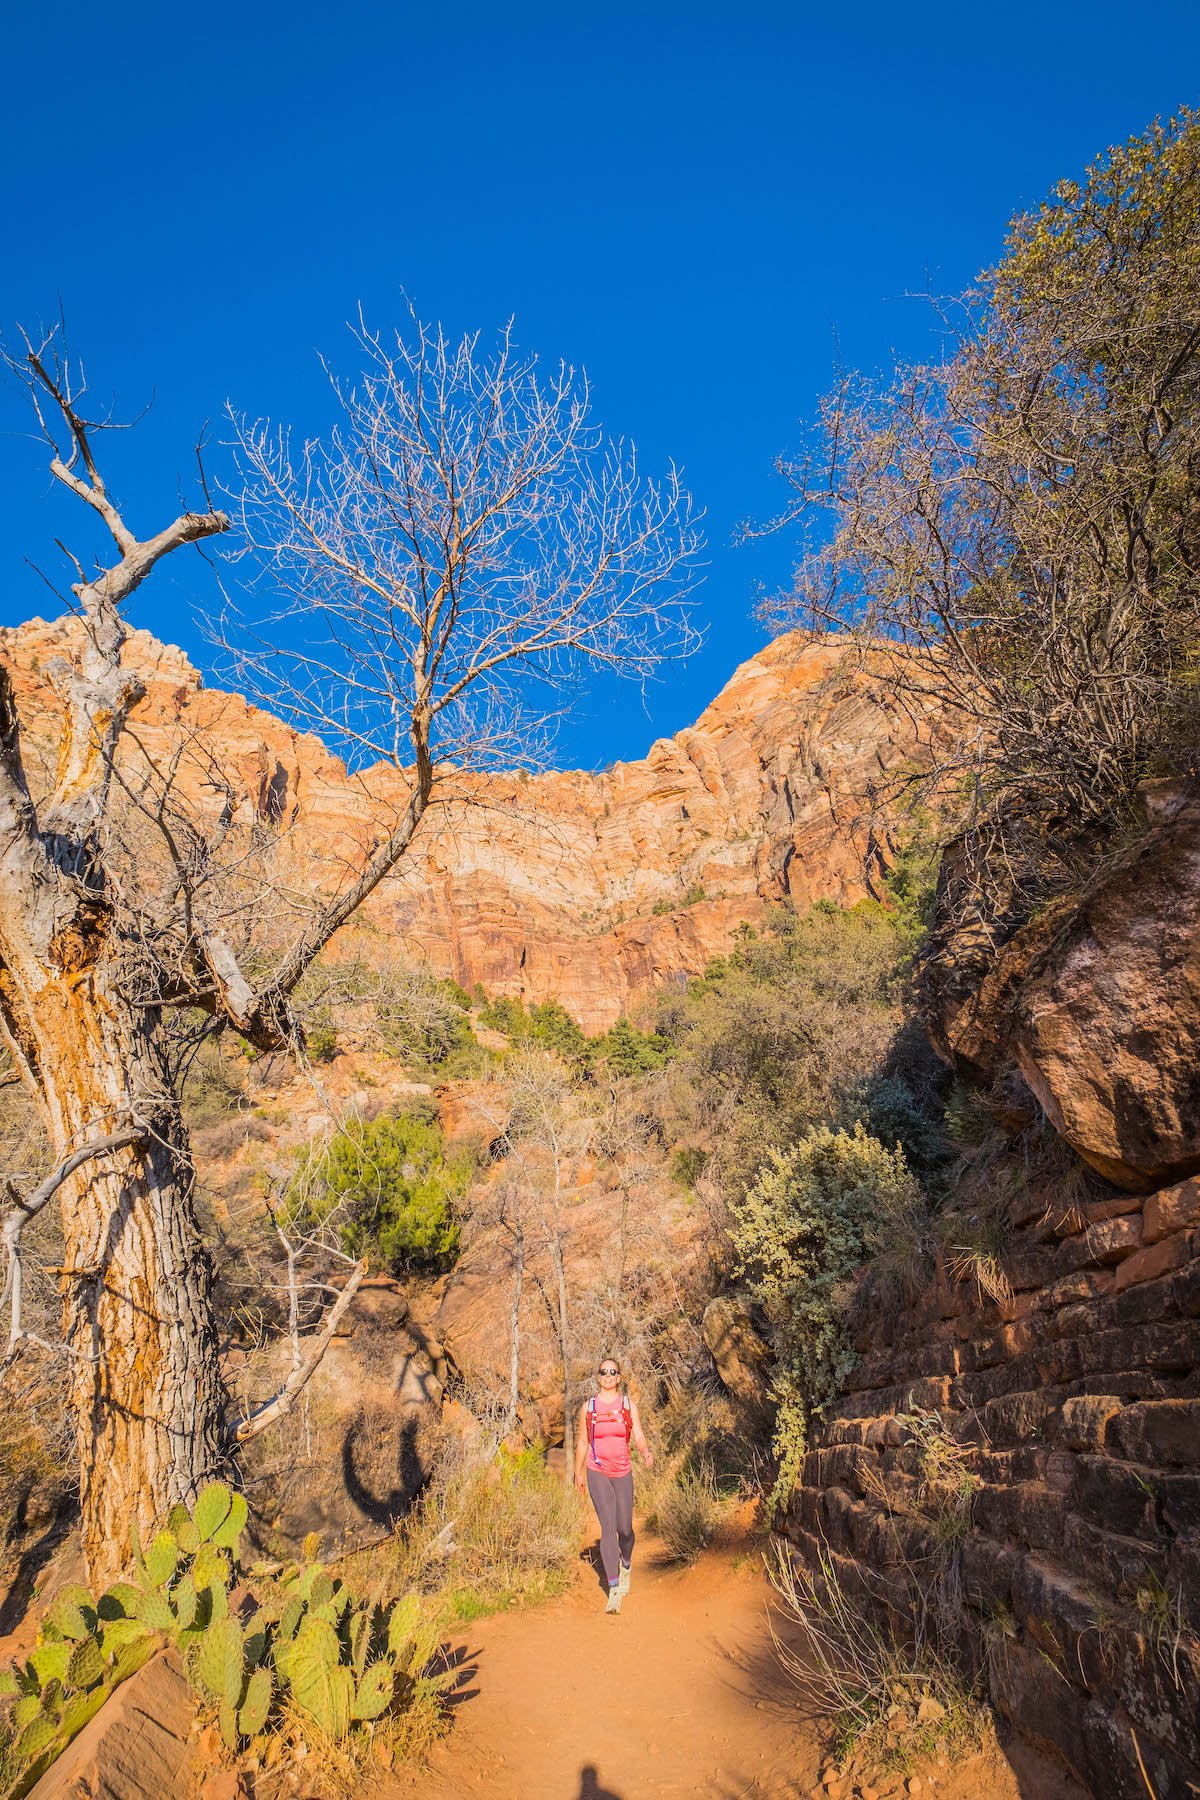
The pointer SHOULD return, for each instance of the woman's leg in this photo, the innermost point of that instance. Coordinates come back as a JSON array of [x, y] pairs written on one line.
[[602, 1489], [622, 1487]]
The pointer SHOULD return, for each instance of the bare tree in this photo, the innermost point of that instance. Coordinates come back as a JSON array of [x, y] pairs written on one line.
[[1019, 524], [464, 536], [548, 1125]]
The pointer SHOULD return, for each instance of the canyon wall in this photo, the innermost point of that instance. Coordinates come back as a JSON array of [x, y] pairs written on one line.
[[1076, 1405], [1061, 1533], [587, 888]]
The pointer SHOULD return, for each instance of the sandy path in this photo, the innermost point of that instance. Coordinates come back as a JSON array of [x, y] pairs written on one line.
[[678, 1696], [565, 1703]]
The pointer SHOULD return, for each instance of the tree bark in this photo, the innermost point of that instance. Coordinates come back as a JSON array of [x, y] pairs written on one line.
[[143, 1366]]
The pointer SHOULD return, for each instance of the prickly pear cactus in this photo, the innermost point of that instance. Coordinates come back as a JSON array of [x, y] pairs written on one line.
[[343, 1662]]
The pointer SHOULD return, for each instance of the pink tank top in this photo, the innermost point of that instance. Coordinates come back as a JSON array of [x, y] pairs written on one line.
[[608, 1452]]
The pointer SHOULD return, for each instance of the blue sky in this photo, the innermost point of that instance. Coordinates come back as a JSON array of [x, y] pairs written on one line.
[[704, 205]]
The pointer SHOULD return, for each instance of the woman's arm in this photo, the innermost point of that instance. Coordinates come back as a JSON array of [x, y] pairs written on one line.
[[581, 1449], [639, 1436]]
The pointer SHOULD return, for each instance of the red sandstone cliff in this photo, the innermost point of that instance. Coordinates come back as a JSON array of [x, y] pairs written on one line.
[[548, 884]]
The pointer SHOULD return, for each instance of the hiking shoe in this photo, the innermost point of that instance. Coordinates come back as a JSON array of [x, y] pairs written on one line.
[[614, 1600], [624, 1579]]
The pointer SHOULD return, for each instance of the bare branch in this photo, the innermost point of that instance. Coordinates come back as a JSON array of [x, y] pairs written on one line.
[[24, 1208], [282, 1403]]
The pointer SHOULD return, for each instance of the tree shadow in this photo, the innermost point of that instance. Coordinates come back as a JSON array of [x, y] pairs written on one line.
[[33, 1559], [385, 1507], [590, 1788]]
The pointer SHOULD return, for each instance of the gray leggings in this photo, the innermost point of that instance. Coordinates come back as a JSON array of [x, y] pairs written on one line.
[[612, 1497]]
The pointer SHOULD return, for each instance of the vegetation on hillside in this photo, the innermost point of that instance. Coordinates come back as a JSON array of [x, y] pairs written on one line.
[[1021, 518]]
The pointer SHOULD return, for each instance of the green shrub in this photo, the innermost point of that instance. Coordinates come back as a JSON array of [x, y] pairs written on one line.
[[393, 1185], [627, 1051], [800, 1234], [322, 1040], [776, 1036]]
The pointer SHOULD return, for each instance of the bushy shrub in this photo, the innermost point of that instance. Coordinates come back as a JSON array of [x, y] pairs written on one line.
[[392, 1186], [296, 1641], [800, 1234], [686, 1512], [775, 1036]]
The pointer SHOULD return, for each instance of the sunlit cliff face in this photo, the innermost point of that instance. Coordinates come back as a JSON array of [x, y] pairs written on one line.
[[586, 888]]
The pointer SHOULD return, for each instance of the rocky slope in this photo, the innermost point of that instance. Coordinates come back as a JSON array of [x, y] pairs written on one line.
[[582, 887]]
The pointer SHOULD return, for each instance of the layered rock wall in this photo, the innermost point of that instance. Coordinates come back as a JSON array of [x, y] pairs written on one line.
[[586, 888], [1073, 1572]]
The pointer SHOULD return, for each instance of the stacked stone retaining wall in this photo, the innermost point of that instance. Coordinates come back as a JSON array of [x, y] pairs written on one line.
[[1077, 1402]]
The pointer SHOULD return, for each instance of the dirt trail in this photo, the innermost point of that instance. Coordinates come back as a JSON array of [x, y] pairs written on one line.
[[678, 1696]]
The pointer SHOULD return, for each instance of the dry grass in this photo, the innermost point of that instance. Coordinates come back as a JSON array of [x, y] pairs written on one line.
[[686, 1510], [492, 1530], [891, 1702]]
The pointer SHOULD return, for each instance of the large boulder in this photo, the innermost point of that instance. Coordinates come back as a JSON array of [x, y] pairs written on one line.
[[354, 1453], [742, 1359], [1095, 1006], [138, 1746]]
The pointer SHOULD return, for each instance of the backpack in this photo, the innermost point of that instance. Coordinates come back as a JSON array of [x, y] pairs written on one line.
[[626, 1415]]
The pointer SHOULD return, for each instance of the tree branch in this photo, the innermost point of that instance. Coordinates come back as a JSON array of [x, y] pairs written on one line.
[[283, 1402], [25, 1208]]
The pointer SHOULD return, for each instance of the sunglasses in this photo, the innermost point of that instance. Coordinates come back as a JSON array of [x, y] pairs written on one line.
[[610, 1371]]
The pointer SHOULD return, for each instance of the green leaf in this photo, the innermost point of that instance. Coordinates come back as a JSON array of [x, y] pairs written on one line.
[[86, 1666], [375, 1691], [220, 1663], [189, 1538], [50, 1661], [211, 1509], [228, 1721], [118, 1632], [73, 1611], [152, 1610], [37, 1736], [252, 1715], [231, 1528], [119, 1601], [289, 1618], [211, 1565], [184, 1601], [403, 1622], [27, 1708], [78, 1710], [161, 1558], [130, 1658]]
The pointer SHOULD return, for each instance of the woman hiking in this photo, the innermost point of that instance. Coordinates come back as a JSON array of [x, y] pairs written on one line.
[[602, 1469]]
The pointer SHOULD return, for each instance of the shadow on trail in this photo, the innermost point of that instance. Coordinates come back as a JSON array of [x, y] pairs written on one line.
[[589, 1786], [464, 1665]]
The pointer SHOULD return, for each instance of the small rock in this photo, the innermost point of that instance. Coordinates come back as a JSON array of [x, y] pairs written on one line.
[[915, 1785], [223, 1784], [930, 1711]]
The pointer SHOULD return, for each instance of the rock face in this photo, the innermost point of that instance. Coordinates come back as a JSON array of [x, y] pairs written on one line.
[[739, 1353], [136, 1748], [350, 1460], [1074, 1407], [582, 887], [1097, 1004]]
